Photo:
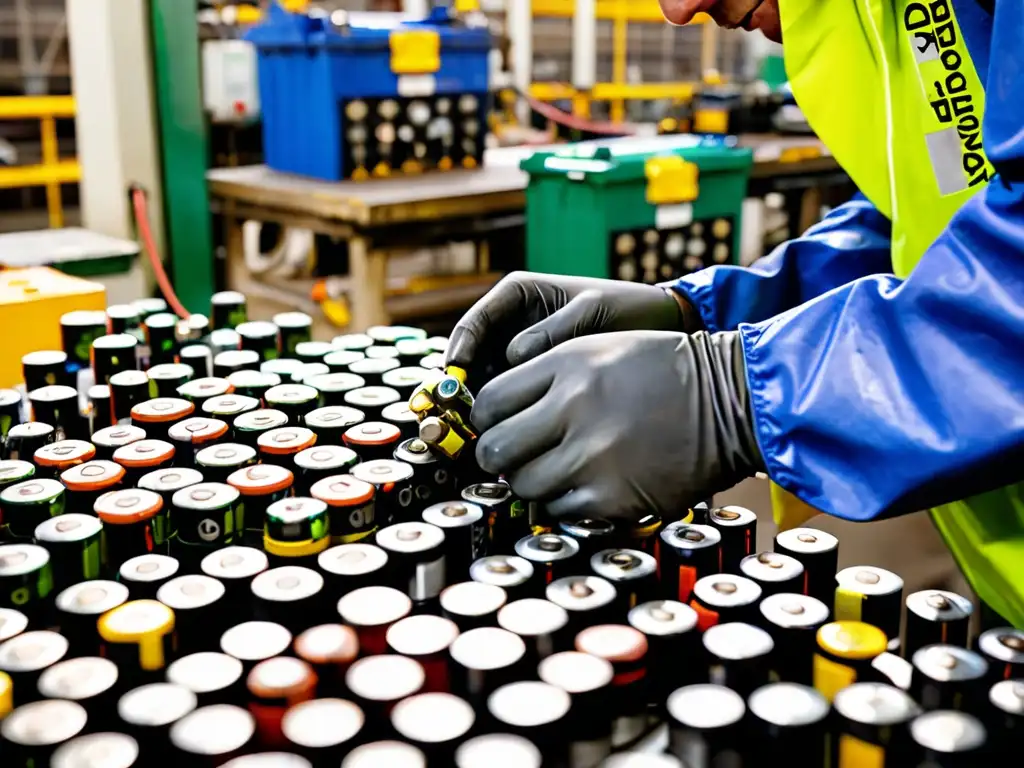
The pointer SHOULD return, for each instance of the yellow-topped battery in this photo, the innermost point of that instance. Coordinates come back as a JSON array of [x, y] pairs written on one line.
[[142, 622], [6, 695], [32, 301], [852, 639]]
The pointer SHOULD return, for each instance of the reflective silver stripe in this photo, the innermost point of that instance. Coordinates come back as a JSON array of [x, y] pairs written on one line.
[[944, 151]]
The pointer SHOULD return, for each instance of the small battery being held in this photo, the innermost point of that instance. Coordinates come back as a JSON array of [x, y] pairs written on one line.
[[818, 552], [466, 539], [553, 556], [775, 573], [872, 595], [513, 574], [633, 573], [949, 677], [738, 527], [724, 598], [935, 616], [793, 621], [739, 655], [416, 556]]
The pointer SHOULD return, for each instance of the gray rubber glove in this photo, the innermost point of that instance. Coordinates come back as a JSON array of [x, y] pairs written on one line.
[[621, 424], [528, 313]]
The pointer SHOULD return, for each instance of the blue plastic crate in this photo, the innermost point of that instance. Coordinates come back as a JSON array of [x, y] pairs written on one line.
[[364, 95]]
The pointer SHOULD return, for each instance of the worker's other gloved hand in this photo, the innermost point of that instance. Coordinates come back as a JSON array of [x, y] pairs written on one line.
[[528, 313], [621, 424]]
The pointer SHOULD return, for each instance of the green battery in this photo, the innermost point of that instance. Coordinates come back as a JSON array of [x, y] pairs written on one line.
[[75, 544], [319, 462], [10, 411], [312, 351], [161, 337], [165, 379], [228, 309], [53, 459], [207, 516], [26, 578], [228, 407], [296, 327], [78, 330], [158, 415], [249, 426], [15, 471], [135, 523], [26, 505], [295, 400], [261, 485], [202, 389], [261, 337], [296, 528], [253, 383]]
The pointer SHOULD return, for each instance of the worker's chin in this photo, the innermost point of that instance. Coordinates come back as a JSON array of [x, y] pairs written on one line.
[[766, 19]]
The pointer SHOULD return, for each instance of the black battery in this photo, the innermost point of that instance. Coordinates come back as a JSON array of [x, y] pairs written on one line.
[[199, 358], [23, 440], [793, 621], [587, 679], [372, 370], [739, 656], [390, 334], [75, 544], [234, 360], [32, 733], [228, 407], [845, 653], [200, 390], [371, 611], [935, 616], [127, 389], [14, 471], [515, 575], [330, 649], [45, 368], [98, 412], [406, 421], [433, 361], [535, 709], [593, 534], [333, 386], [472, 604], [200, 609], [625, 648], [248, 427], [118, 749], [158, 415], [227, 309], [25, 657], [53, 459], [89, 681], [214, 678], [774, 572], [78, 330], [138, 636], [148, 712], [706, 726], [1004, 715], [280, 446], [27, 505], [738, 527], [350, 503], [498, 749], [416, 559], [466, 535], [372, 400], [283, 367], [109, 439], [309, 371], [633, 573], [165, 380], [78, 608], [1003, 648], [411, 351], [296, 531], [506, 516], [12, 624], [385, 754], [312, 351], [540, 624], [219, 461], [949, 677], [261, 337], [58, 405], [892, 669], [588, 600], [789, 723], [394, 492], [253, 383], [818, 551], [435, 723], [207, 516], [113, 354], [124, 318], [432, 479], [149, 306], [553, 556], [673, 646], [261, 486], [296, 328], [348, 567], [304, 729], [723, 598], [145, 574], [338, 360], [193, 435], [872, 595], [274, 687], [357, 342], [144, 456], [235, 567], [331, 422], [483, 660], [168, 482], [644, 535], [426, 639], [377, 683], [135, 522], [381, 352], [193, 328], [687, 553], [873, 719], [949, 740], [161, 338], [405, 380], [10, 412], [295, 400], [321, 462], [212, 735], [290, 595]]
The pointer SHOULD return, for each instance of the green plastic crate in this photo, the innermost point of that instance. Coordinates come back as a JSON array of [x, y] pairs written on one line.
[[592, 210]]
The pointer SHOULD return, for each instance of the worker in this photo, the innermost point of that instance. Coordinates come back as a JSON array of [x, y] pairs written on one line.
[[872, 367]]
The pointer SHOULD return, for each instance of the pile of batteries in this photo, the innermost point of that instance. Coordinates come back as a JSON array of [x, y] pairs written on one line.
[[293, 579], [649, 255]]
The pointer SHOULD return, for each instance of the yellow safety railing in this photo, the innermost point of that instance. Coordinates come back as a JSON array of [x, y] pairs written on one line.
[[53, 171]]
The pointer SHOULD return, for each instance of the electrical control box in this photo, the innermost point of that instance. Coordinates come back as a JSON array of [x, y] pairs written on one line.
[[230, 87]]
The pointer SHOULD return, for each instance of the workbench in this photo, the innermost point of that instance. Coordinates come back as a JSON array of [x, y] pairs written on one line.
[[384, 216]]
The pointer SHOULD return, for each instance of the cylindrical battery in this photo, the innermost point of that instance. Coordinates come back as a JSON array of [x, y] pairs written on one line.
[[235, 568], [44, 368], [253, 641], [633, 573], [32, 733], [513, 574], [333, 386], [291, 596], [587, 679], [232, 360], [411, 351], [331, 422], [949, 739], [738, 526], [12, 624], [97, 409], [319, 463], [724, 598], [466, 539], [135, 523], [371, 611], [471, 604], [207, 516], [27, 505], [247, 428], [705, 726], [23, 440], [872, 719], [591, 533], [127, 389], [432, 480], [89, 681], [296, 328], [250, 383], [352, 341], [793, 621], [625, 648], [14, 471], [198, 357], [844, 655], [228, 407], [949, 677], [312, 351], [212, 735], [193, 435], [284, 367], [27, 656], [275, 686], [113, 354], [378, 683], [309, 371], [540, 624], [372, 400], [818, 551], [144, 456], [109, 439], [381, 352], [348, 567], [506, 516], [789, 723], [644, 535], [214, 678], [404, 380], [588, 600], [145, 574], [51, 460], [168, 482], [58, 405], [673, 645], [483, 660], [84, 483], [330, 649], [535, 709], [385, 754], [739, 656], [687, 553], [426, 639], [1003, 647], [10, 412], [123, 318], [372, 371], [148, 712], [892, 669], [75, 545], [200, 390], [324, 730], [872, 595], [139, 637], [392, 481], [193, 328], [261, 337], [774, 572], [158, 415], [434, 722], [198, 604], [338, 360], [165, 380], [498, 749], [295, 400], [279, 446], [934, 616], [227, 309], [26, 579], [218, 462], [261, 486], [1004, 715], [553, 556], [416, 558], [296, 530], [351, 506], [118, 750], [78, 608], [159, 331], [78, 330]]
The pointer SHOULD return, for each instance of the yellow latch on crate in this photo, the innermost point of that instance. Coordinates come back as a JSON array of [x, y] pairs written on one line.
[[467, 6], [670, 179], [415, 51]]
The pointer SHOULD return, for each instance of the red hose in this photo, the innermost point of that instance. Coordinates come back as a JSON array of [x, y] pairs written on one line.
[[556, 115], [141, 208]]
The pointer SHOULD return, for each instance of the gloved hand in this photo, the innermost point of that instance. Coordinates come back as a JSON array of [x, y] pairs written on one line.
[[621, 424], [528, 313]]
